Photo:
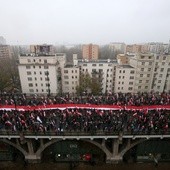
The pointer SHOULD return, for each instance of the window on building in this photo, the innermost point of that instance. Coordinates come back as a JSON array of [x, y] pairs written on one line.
[[140, 81], [131, 77], [160, 75], [130, 88], [159, 81], [28, 67], [100, 64], [123, 77], [142, 69], [39, 60], [119, 77], [65, 71], [146, 87], [147, 81], [28, 72], [118, 88], [42, 90], [41, 84], [119, 82], [35, 78], [36, 84], [65, 77], [39, 66], [84, 64], [164, 57], [122, 82], [41, 78], [157, 57], [30, 85], [162, 69], [34, 73], [33, 66], [40, 72], [31, 90], [66, 82], [150, 63], [29, 60], [120, 71], [36, 90], [158, 87], [143, 63], [130, 83], [141, 75], [93, 64], [29, 78], [47, 79], [132, 72], [163, 63], [139, 87], [149, 69], [123, 71], [45, 60], [45, 67], [148, 75]]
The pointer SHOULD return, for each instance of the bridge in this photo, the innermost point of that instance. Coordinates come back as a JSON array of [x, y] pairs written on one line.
[[33, 142], [121, 142]]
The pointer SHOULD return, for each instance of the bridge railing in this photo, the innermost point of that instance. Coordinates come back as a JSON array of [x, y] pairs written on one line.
[[81, 133]]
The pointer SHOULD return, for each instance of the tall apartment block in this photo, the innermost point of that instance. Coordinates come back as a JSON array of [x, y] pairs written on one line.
[[90, 52], [5, 51]]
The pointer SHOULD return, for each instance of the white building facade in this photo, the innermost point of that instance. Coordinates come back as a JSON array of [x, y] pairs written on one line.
[[41, 74]]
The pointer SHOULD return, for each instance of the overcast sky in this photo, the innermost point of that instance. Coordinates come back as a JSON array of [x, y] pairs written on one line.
[[84, 21]]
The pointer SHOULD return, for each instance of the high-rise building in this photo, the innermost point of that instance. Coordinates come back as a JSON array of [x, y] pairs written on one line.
[[5, 51], [90, 52], [2, 41]]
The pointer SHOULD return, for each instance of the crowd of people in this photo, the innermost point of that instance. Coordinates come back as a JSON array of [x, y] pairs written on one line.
[[86, 121], [123, 99], [89, 120]]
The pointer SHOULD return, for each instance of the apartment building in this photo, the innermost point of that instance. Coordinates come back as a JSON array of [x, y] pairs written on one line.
[[41, 74], [104, 70], [123, 59], [70, 79], [144, 65], [124, 79], [137, 48], [42, 49], [5, 51], [161, 73], [118, 47], [90, 52]]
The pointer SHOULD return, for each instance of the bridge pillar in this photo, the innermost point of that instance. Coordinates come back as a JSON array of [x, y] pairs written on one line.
[[115, 157], [31, 156]]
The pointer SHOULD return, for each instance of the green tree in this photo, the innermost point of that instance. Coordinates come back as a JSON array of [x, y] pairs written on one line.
[[9, 78], [88, 84]]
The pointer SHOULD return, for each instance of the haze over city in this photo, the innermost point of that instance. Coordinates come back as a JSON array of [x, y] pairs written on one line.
[[75, 21]]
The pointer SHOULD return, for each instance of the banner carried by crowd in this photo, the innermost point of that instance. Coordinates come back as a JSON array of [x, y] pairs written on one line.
[[82, 106]]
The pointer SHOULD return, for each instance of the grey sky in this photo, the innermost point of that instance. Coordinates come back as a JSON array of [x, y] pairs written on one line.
[[84, 21]]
